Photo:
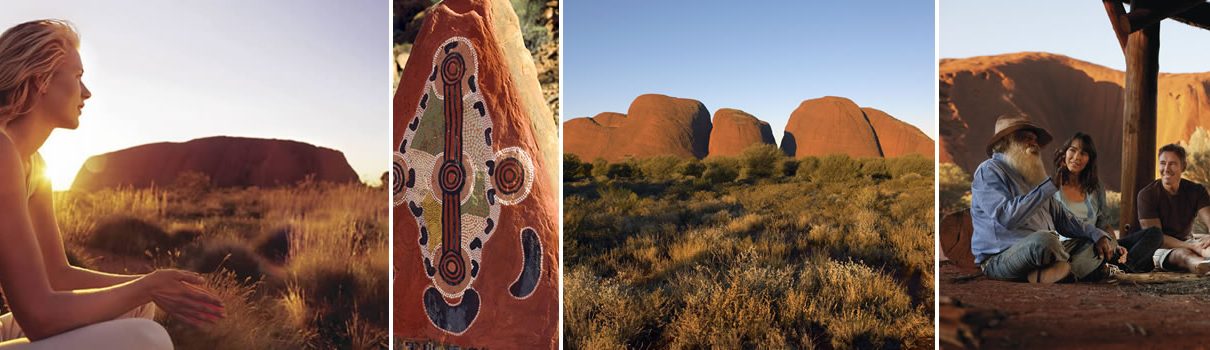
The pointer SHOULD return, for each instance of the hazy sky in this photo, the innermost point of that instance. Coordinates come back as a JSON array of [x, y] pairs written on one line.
[[1079, 29], [761, 57], [313, 71]]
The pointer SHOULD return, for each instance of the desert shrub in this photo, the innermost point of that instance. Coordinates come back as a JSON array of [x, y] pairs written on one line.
[[692, 168], [660, 168], [130, 237], [1198, 157], [760, 161], [911, 164], [600, 167], [954, 187], [874, 168], [620, 171], [721, 170], [234, 258], [788, 167], [338, 292], [574, 169], [837, 168], [806, 168], [191, 184], [274, 245]]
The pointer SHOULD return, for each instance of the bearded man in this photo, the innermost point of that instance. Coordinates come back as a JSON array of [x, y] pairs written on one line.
[[1016, 220]]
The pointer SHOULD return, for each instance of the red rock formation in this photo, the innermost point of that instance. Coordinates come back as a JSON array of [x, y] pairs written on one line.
[[476, 226], [655, 125], [828, 125], [1061, 94], [228, 161], [591, 138], [897, 138], [735, 130]]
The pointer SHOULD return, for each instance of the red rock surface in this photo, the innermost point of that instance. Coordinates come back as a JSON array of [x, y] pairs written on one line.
[[228, 161], [734, 130], [520, 123], [828, 125], [897, 138], [655, 125], [1126, 315], [1063, 95]]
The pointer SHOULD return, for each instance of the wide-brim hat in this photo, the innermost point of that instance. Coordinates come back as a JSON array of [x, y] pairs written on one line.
[[1009, 123]]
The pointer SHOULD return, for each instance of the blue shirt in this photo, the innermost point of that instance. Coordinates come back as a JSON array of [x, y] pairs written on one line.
[[1004, 210]]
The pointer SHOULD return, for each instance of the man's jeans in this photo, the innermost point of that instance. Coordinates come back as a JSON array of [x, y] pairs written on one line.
[[1039, 250]]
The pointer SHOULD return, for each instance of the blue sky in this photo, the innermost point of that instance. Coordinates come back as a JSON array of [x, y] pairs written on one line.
[[312, 71], [761, 57], [1079, 29]]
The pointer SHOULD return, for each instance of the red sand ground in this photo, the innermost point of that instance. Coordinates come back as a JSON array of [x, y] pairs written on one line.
[[1123, 315]]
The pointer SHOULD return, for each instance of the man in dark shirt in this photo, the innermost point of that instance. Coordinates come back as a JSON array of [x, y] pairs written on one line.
[[1171, 204]]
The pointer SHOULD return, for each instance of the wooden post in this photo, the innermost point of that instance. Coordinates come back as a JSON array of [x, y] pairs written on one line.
[[1139, 120]]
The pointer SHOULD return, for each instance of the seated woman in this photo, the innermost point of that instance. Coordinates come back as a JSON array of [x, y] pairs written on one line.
[[1081, 193], [55, 305]]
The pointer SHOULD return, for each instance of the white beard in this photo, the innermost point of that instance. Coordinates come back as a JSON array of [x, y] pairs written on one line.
[[1028, 164]]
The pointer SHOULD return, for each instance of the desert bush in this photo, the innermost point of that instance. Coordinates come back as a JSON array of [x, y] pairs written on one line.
[[721, 170], [837, 168], [274, 245], [788, 167], [911, 164], [954, 187], [130, 236], [574, 169], [761, 161], [806, 168], [660, 168], [874, 168], [599, 168], [621, 171], [692, 168], [230, 257]]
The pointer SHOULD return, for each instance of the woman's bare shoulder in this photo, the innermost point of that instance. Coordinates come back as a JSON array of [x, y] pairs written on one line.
[[11, 168]]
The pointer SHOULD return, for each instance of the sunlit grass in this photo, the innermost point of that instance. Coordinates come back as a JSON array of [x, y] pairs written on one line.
[[757, 257]]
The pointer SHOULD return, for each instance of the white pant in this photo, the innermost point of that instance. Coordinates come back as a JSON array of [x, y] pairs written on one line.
[[136, 329]]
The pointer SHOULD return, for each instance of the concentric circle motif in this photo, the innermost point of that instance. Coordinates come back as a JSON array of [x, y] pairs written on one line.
[[514, 175], [456, 180], [399, 178]]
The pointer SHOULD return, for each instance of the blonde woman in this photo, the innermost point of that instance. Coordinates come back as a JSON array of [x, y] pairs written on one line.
[[55, 305]]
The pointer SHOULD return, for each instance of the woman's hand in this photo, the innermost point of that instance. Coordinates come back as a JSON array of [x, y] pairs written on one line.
[[182, 295]]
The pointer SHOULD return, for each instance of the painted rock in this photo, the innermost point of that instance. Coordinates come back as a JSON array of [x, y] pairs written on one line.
[[735, 130], [655, 125], [473, 182], [897, 138], [228, 161], [828, 125]]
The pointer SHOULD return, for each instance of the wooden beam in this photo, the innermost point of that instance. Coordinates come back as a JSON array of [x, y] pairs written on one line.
[[1119, 21], [1156, 11], [1139, 117], [1198, 16]]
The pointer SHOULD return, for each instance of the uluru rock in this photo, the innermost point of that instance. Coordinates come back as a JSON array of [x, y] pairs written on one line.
[[829, 125], [228, 161], [475, 206], [1061, 94], [897, 138], [655, 125], [735, 130]]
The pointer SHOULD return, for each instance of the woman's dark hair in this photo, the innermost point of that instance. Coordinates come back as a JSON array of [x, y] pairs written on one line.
[[1088, 177]]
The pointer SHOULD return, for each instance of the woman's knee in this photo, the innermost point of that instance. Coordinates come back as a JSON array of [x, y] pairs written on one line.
[[144, 333]]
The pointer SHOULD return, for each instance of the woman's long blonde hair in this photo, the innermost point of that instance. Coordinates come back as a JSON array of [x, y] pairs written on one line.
[[29, 54]]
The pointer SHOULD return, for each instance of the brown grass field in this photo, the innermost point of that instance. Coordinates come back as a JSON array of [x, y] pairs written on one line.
[[304, 266], [758, 251]]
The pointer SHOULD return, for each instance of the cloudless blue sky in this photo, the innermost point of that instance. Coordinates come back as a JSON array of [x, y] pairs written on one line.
[[1079, 29], [314, 71], [761, 57]]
